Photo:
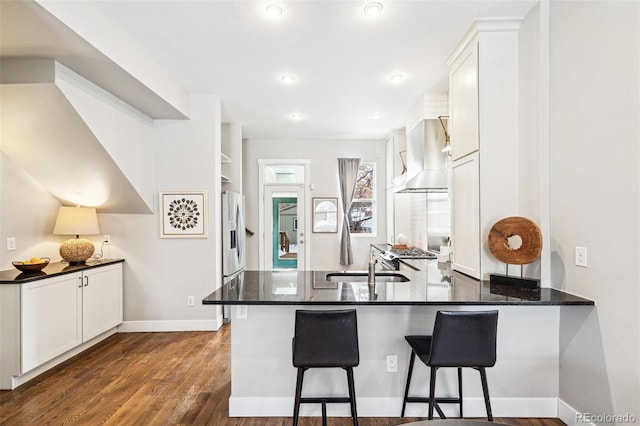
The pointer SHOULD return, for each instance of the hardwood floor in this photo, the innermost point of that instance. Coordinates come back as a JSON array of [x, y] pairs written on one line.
[[152, 379]]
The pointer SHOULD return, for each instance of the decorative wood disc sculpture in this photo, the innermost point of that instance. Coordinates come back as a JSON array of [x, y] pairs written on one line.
[[509, 227]]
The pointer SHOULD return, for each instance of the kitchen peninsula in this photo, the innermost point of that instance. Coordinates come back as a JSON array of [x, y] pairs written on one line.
[[524, 382]]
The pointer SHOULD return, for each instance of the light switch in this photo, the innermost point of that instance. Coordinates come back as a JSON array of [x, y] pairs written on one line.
[[11, 243], [581, 256]]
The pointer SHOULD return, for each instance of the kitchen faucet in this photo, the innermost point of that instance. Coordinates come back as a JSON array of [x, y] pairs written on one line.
[[371, 277]]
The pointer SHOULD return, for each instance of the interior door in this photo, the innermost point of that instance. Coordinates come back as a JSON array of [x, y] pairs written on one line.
[[284, 213]]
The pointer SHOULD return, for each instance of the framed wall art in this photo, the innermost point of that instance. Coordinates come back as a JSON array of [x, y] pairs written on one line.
[[325, 214], [183, 214]]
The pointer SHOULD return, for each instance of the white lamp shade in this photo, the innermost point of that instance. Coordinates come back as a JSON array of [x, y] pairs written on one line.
[[76, 221]]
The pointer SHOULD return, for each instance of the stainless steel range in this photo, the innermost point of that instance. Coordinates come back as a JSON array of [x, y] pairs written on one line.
[[390, 259]]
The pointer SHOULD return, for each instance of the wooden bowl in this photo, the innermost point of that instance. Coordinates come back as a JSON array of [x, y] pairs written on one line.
[[31, 267]]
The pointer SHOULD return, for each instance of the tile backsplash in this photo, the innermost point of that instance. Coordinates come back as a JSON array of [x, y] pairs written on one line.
[[424, 218]]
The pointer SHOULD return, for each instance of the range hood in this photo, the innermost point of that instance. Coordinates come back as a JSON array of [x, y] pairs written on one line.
[[426, 163]]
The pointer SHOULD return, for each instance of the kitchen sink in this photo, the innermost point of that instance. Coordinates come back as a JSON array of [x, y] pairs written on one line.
[[363, 277]]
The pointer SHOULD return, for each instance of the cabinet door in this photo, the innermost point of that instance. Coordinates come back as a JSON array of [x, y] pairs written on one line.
[[101, 300], [465, 215], [464, 103], [51, 314]]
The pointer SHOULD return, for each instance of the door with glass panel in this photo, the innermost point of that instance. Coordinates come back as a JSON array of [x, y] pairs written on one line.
[[284, 224]]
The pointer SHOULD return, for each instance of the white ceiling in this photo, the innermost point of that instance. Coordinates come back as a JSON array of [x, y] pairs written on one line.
[[342, 58]]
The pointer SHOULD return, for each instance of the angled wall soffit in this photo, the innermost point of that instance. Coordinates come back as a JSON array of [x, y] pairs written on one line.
[[43, 133]]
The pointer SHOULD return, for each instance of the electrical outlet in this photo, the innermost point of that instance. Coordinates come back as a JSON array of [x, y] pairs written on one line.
[[392, 363], [241, 311], [11, 243], [581, 256], [107, 239], [191, 301]]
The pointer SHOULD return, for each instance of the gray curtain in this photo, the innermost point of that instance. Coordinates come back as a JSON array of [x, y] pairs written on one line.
[[348, 173]]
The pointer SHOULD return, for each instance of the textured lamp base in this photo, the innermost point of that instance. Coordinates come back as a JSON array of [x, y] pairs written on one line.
[[77, 250]]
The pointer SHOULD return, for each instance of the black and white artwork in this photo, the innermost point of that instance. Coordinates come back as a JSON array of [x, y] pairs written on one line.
[[183, 214]]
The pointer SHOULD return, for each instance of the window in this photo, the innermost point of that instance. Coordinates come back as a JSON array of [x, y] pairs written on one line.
[[363, 206]]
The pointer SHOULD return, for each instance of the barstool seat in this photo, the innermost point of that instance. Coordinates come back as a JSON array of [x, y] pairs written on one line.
[[325, 339], [460, 339]]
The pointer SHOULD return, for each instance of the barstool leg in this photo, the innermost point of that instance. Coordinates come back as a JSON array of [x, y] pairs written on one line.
[[485, 391], [432, 392], [406, 389], [296, 403], [460, 390], [352, 395], [324, 412]]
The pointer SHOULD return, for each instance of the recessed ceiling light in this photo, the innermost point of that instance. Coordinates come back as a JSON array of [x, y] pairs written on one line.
[[396, 78], [376, 116], [273, 10], [288, 78], [373, 9], [296, 116]]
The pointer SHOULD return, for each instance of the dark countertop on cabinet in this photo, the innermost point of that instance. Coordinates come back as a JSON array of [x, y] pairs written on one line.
[[14, 276], [434, 285]]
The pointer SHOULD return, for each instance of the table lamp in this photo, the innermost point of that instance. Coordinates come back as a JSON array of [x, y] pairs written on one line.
[[76, 221]]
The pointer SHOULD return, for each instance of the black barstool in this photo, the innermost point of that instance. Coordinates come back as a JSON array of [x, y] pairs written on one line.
[[325, 339], [459, 339]]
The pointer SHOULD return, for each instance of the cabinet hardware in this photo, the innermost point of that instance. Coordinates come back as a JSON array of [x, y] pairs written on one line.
[[80, 279], [86, 281]]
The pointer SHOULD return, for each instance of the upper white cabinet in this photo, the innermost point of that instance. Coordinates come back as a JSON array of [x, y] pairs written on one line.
[[396, 153], [484, 108], [463, 90]]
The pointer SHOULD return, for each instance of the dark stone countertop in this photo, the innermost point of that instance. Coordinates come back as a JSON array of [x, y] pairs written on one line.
[[434, 285], [14, 276]]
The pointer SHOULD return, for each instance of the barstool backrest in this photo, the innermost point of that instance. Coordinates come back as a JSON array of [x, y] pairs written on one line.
[[325, 339], [464, 339]]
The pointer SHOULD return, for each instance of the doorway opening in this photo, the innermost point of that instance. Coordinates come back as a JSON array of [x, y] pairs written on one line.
[[285, 232], [283, 220]]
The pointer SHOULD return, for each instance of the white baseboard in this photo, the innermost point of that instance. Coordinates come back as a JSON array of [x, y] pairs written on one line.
[[391, 407], [173, 325], [570, 415]]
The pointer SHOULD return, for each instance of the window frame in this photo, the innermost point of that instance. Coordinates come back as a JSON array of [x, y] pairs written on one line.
[[373, 201]]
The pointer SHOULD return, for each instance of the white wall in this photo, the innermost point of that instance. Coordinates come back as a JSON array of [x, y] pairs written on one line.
[[324, 154], [595, 196], [529, 161], [124, 132], [27, 213], [523, 383], [161, 273]]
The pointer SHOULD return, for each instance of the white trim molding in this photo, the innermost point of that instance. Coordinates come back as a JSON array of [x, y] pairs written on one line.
[[570, 415], [172, 325], [390, 407]]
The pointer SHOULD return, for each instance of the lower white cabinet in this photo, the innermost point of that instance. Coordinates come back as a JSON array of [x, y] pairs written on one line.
[[465, 215], [54, 317], [51, 314], [101, 300]]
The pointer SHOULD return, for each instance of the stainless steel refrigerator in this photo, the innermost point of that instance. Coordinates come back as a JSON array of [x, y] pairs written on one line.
[[233, 245]]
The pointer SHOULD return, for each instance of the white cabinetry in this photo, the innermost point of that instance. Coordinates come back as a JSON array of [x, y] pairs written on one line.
[[396, 154], [465, 228], [46, 321], [463, 91], [51, 319], [101, 300], [484, 107]]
